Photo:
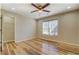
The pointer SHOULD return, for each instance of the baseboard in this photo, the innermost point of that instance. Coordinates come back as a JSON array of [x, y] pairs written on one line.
[[25, 39], [7, 41]]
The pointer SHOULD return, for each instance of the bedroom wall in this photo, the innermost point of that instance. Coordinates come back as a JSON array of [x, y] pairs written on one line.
[[25, 28], [68, 28], [78, 27]]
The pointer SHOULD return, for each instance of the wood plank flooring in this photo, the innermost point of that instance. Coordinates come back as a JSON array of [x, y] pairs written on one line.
[[33, 47]]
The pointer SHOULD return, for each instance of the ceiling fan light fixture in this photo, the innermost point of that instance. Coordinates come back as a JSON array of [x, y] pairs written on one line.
[[40, 11], [68, 7], [40, 8]]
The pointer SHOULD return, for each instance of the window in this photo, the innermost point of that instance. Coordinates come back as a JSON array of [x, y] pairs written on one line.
[[45, 28], [50, 27]]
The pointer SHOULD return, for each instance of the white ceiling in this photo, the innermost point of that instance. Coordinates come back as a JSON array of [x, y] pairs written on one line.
[[25, 9]]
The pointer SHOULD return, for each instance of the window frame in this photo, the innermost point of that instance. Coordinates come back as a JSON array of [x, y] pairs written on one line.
[[49, 28]]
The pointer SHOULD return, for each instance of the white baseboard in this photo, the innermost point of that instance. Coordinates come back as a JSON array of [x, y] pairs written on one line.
[[8, 41], [17, 41]]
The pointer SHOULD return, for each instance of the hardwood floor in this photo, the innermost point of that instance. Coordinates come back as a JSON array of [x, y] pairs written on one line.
[[33, 47]]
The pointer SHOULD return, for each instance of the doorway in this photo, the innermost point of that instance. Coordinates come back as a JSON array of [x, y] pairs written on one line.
[[8, 29]]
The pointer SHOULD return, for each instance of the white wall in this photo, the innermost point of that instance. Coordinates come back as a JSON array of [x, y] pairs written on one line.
[[78, 27], [24, 27], [68, 28]]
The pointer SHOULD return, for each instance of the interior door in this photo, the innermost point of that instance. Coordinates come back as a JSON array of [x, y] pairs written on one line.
[[8, 29]]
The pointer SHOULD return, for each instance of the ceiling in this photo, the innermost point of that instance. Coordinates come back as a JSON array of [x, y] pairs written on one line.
[[25, 9]]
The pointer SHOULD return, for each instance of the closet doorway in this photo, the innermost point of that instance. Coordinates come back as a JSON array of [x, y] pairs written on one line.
[[8, 29]]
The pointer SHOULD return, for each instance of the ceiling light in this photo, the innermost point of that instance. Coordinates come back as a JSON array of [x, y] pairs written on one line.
[[69, 7], [40, 11], [13, 8]]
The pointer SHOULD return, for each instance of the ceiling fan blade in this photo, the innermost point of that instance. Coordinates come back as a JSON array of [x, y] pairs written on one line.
[[35, 6], [45, 5], [34, 11], [46, 10]]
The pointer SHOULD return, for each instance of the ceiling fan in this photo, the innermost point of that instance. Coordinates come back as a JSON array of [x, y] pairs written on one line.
[[40, 7]]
